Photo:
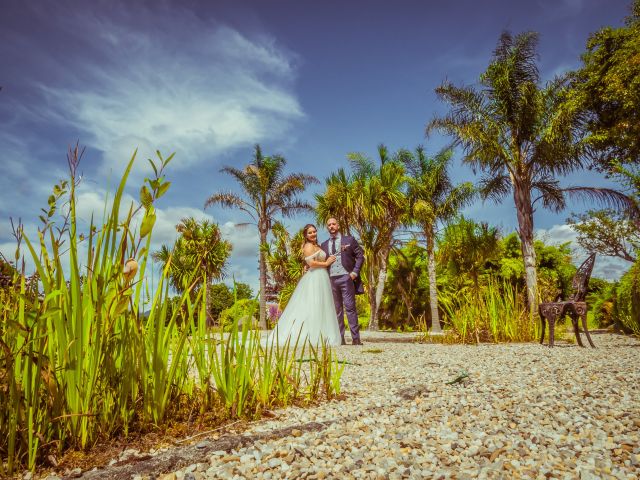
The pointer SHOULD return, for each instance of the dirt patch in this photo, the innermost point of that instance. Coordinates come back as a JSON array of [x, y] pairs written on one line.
[[183, 456]]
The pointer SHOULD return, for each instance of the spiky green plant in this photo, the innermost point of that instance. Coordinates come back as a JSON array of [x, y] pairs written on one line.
[[80, 361]]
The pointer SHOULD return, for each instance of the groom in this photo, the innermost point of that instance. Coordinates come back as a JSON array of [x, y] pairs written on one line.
[[345, 277]]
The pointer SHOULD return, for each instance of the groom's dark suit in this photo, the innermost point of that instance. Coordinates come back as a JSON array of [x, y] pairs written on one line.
[[343, 287]]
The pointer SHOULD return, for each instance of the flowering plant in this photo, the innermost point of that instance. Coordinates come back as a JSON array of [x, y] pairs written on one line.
[[273, 314]]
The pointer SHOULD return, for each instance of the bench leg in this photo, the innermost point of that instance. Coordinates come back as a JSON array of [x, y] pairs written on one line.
[[552, 328], [543, 325], [586, 330], [576, 329]]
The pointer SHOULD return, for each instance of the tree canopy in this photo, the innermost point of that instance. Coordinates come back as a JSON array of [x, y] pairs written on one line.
[[607, 91]]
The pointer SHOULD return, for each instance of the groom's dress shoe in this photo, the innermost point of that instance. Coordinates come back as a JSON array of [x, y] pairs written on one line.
[[343, 342], [356, 342]]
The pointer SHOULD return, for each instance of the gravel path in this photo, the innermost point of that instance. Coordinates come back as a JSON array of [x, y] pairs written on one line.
[[523, 411]]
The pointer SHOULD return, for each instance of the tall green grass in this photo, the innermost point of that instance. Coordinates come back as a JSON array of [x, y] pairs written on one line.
[[493, 313], [80, 360]]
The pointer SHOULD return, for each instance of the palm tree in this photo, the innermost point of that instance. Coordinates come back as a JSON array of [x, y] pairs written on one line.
[[372, 202], [521, 136], [199, 252], [434, 199], [285, 262], [267, 193], [466, 246]]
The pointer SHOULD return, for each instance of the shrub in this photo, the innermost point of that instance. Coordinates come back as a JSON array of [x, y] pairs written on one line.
[[627, 301], [241, 311]]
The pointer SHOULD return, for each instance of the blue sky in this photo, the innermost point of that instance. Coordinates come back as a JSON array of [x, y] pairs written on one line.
[[309, 80]]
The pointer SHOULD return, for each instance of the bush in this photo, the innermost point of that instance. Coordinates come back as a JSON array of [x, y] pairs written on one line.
[[363, 321], [241, 311], [627, 301], [495, 313]]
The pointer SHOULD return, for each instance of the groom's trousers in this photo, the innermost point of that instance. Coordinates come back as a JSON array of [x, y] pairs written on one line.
[[344, 298]]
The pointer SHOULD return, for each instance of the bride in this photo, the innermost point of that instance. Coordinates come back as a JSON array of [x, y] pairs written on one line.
[[310, 314]]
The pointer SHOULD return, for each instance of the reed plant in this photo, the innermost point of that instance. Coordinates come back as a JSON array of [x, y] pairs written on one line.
[[81, 360], [494, 312]]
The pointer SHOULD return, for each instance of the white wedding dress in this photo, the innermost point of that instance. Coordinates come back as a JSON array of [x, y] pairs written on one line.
[[310, 314]]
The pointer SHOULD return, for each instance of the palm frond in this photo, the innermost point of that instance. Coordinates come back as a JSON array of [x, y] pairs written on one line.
[[360, 164], [294, 207], [225, 199], [551, 194], [607, 197], [239, 175], [494, 187], [231, 200]]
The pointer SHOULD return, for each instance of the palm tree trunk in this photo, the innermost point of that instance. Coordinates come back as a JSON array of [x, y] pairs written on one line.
[[263, 282], [371, 292], [522, 197], [433, 290], [382, 277]]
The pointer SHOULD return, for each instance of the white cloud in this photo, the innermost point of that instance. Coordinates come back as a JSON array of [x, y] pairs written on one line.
[[608, 268], [181, 84], [245, 240], [557, 234], [243, 263], [160, 77]]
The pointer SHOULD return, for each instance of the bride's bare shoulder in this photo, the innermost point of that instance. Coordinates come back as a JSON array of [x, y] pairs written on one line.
[[309, 249]]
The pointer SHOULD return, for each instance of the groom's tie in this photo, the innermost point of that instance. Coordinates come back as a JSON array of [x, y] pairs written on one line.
[[333, 245]]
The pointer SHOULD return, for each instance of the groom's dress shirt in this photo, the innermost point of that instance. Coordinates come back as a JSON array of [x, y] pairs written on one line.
[[336, 269]]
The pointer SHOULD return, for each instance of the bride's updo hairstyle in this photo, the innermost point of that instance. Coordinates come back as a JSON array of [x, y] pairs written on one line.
[[304, 232]]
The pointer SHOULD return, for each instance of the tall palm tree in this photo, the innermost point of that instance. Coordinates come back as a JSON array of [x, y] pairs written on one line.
[[198, 253], [267, 193], [434, 199], [466, 246], [372, 202], [521, 136]]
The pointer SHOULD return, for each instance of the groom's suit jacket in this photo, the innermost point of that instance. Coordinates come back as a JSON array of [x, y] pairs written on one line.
[[352, 257]]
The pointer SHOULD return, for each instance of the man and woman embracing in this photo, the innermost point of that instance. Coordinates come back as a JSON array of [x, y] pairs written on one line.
[[327, 291]]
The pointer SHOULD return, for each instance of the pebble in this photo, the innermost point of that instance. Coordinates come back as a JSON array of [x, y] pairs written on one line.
[[524, 411]]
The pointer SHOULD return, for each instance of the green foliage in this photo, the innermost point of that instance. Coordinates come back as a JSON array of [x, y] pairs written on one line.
[[433, 197], [522, 136], [267, 192], [607, 92], [601, 300], [199, 252], [407, 288], [607, 232], [497, 313], [242, 290], [198, 257], [285, 262], [554, 264], [470, 250], [466, 247], [241, 312], [84, 342], [433, 200], [371, 201], [6, 269], [80, 364], [222, 297], [555, 270], [626, 308]]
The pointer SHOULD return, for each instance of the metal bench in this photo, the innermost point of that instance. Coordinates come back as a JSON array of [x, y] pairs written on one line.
[[575, 306]]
